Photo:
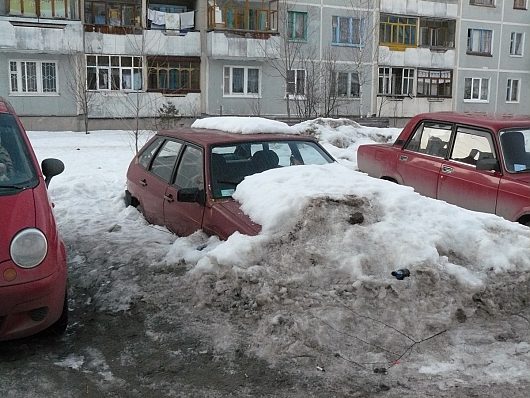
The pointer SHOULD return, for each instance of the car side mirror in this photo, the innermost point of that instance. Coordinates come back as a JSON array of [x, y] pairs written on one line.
[[488, 164], [50, 168], [191, 195]]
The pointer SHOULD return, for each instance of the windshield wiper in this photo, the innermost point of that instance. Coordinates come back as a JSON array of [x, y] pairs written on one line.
[[19, 187]]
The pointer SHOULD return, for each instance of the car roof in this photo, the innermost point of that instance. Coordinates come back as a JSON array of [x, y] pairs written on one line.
[[493, 122], [5, 106], [210, 137]]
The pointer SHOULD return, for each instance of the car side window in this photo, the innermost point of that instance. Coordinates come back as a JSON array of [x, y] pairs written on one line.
[[145, 157], [431, 138], [471, 145], [164, 162], [190, 170]]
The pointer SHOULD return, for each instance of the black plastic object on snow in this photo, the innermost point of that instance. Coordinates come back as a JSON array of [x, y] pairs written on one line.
[[401, 274]]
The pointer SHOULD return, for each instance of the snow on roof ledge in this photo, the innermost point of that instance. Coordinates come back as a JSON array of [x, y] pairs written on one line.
[[244, 125]]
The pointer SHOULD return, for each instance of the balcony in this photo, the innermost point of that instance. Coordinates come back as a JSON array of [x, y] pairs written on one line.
[[251, 19], [226, 45]]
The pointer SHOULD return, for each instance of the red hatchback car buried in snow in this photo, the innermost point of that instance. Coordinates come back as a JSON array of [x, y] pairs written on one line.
[[184, 179], [475, 161], [32, 255]]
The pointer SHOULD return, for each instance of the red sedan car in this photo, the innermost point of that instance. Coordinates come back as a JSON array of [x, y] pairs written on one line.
[[184, 179], [475, 161], [32, 255]]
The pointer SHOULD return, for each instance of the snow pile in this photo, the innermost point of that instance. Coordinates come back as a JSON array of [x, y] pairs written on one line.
[[315, 287], [244, 125]]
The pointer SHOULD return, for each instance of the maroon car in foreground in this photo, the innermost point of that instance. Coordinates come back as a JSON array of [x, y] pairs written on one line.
[[475, 161], [33, 270], [184, 179]]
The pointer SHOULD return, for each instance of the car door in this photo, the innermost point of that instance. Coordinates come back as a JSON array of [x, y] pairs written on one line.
[[460, 182], [419, 162], [184, 218], [154, 183]]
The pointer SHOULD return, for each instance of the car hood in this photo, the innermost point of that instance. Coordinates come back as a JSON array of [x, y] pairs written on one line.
[[227, 218], [16, 212]]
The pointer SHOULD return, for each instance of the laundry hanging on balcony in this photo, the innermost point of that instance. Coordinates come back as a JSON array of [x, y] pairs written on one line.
[[156, 17], [171, 20], [187, 20]]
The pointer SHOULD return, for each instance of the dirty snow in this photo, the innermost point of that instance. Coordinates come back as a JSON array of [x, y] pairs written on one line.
[[314, 288]]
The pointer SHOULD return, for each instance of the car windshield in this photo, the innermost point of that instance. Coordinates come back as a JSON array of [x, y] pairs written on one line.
[[515, 145], [230, 164], [16, 169]]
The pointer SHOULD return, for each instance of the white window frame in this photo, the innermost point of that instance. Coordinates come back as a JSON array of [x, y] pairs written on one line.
[[485, 48], [228, 81], [18, 80], [353, 24], [296, 84], [513, 86], [517, 38], [474, 82], [408, 76], [109, 68]]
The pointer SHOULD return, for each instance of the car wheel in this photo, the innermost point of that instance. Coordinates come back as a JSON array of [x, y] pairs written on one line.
[[59, 327], [128, 198]]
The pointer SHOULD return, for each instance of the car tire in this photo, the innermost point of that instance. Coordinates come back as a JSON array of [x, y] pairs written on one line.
[[128, 198], [59, 327]]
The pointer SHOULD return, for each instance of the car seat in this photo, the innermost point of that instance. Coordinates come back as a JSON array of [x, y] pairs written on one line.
[[264, 160]]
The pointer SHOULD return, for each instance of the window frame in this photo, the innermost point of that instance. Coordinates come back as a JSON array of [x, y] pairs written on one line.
[[510, 91], [61, 5], [470, 158], [292, 17], [20, 76], [398, 26], [430, 81], [513, 43], [524, 5], [134, 70], [296, 94], [350, 93], [114, 12], [354, 23], [483, 3], [390, 81], [228, 82], [483, 45], [481, 80], [160, 68]]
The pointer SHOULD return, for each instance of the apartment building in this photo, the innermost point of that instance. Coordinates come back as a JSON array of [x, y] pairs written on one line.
[[109, 60]]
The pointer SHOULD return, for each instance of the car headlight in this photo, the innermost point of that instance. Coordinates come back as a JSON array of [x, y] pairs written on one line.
[[28, 248]]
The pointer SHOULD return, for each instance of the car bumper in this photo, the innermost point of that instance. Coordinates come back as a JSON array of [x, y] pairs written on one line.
[[31, 307]]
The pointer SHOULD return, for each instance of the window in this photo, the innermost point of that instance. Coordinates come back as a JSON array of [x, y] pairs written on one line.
[[346, 30], [431, 138], [296, 82], [476, 89], [164, 162], [490, 3], [114, 72], [396, 81], [437, 33], [241, 81], [348, 85], [40, 8], [519, 4], [190, 174], [173, 75], [471, 145], [516, 43], [434, 83], [479, 41], [512, 90], [145, 158], [297, 25], [113, 13], [246, 15], [397, 31], [36, 77]]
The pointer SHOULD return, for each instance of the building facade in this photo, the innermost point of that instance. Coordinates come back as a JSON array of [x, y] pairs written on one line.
[[69, 61]]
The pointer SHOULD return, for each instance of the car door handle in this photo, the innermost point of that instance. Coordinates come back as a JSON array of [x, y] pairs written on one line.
[[447, 169], [403, 157], [169, 198], [143, 182]]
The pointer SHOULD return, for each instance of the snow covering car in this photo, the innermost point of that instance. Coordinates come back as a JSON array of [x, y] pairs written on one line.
[[475, 161], [33, 270], [184, 179]]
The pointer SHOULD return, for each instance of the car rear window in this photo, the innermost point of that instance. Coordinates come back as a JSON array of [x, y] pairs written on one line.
[[16, 168]]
